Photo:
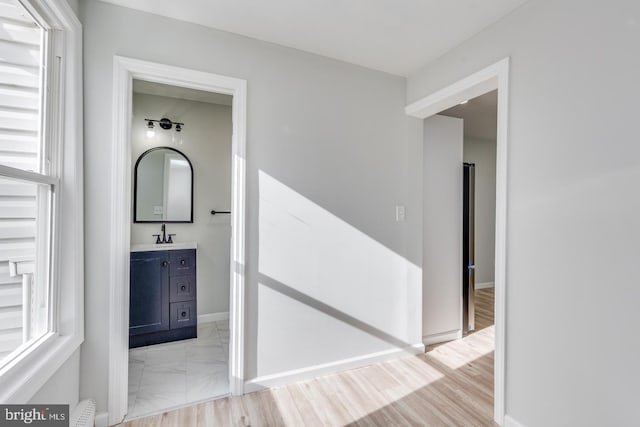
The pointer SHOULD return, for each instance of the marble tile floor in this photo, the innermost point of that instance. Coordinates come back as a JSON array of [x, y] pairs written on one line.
[[166, 376]]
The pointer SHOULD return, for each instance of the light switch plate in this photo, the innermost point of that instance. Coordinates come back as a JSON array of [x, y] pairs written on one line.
[[400, 215]]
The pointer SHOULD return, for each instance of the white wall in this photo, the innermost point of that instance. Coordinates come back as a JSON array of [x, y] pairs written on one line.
[[207, 144], [442, 228], [483, 154], [573, 223], [327, 160]]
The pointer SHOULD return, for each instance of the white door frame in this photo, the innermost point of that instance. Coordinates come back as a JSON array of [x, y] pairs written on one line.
[[495, 76], [124, 71]]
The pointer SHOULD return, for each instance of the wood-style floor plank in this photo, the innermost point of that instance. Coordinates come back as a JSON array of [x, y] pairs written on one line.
[[450, 385]]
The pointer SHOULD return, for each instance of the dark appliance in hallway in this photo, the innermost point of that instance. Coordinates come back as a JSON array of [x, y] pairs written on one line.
[[468, 251]]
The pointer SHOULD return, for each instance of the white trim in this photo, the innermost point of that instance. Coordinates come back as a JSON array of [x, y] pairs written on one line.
[[125, 70], [238, 218], [477, 84], [21, 378], [101, 420], [509, 421], [292, 376], [213, 317], [493, 77], [33, 369], [485, 285], [500, 278], [120, 229], [442, 337], [9, 172]]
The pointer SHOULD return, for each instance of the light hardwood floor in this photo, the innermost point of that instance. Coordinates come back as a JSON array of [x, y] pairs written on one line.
[[450, 385], [484, 308]]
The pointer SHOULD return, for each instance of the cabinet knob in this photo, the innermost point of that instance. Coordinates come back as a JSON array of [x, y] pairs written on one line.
[[183, 287], [165, 263], [182, 262], [183, 314]]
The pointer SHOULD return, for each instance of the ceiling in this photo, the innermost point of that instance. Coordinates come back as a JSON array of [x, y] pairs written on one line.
[[396, 37], [480, 116], [151, 88]]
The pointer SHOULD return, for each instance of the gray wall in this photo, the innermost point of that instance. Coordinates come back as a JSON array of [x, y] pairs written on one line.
[[327, 161], [207, 144], [482, 153], [573, 222], [442, 228], [63, 386], [75, 5]]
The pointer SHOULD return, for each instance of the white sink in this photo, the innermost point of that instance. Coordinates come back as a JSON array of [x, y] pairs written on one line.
[[143, 247]]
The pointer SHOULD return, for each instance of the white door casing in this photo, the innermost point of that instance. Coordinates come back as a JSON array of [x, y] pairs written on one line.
[[125, 70], [495, 76]]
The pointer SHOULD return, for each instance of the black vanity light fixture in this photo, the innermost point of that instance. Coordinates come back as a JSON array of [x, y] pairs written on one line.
[[164, 123]]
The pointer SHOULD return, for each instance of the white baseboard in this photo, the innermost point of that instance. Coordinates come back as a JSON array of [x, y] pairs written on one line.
[[101, 420], [485, 285], [442, 337], [510, 422], [295, 375], [213, 317]]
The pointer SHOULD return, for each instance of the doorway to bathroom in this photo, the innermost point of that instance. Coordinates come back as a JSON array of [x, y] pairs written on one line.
[[180, 247], [177, 252]]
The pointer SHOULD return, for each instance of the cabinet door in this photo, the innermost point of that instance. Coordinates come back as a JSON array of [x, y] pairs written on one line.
[[149, 292]]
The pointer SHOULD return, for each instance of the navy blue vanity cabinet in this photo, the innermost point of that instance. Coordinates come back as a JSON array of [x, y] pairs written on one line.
[[162, 305]]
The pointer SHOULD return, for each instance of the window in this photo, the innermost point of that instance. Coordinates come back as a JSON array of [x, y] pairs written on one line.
[[40, 194], [27, 181]]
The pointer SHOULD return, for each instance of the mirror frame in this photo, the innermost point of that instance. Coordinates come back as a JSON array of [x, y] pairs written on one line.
[[135, 188]]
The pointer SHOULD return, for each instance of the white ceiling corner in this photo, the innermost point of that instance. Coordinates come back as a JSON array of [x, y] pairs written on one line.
[[396, 37]]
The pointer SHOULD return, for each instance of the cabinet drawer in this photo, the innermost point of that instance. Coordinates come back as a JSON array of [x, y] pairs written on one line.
[[182, 263], [182, 314], [182, 288]]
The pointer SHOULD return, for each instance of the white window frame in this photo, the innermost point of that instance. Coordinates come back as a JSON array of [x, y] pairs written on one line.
[[24, 375]]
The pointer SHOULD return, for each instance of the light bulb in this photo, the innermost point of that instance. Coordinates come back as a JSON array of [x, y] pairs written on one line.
[[151, 132], [177, 135]]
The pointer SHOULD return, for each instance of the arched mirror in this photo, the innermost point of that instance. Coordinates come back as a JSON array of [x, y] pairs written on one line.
[[163, 187]]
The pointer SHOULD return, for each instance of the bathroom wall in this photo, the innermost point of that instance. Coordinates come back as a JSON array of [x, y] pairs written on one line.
[[206, 141]]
